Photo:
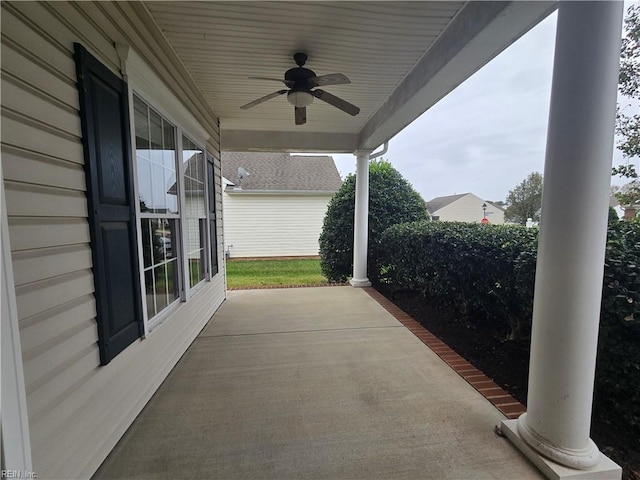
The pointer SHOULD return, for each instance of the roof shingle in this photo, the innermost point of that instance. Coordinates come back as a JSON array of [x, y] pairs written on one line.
[[282, 171]]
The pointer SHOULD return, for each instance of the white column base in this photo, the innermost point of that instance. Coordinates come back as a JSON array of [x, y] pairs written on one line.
[[360, 282], [606, 469]]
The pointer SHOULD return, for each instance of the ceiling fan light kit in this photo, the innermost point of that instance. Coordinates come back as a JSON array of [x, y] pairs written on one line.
[[301, 83], [299, 99]]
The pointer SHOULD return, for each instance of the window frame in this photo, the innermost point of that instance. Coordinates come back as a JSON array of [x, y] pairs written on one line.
[[186, 291], [144, 84], [160, 317], [203, 229], [210, 158]]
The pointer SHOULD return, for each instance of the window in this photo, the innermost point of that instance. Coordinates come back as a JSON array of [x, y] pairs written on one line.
[[156, 165], [148, 214], [213, 243], [172, 208], [195, 209]]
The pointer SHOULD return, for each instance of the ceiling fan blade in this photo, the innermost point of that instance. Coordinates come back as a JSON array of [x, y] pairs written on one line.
[[301, 115], [336, 102], [288, 83], [330, 79], [263, 99]]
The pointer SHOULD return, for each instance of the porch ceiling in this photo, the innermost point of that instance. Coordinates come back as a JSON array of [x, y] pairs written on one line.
[[401, 58]]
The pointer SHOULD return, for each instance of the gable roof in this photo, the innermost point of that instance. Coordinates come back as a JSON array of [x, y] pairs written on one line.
[[282, 171], [437, 203]]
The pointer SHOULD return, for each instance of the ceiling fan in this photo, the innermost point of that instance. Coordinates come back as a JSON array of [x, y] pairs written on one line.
[[302, 83]]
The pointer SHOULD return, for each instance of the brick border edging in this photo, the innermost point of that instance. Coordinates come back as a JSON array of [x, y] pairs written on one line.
[[500, 399]]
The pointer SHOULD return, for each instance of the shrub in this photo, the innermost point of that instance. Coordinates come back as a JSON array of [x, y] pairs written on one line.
[[470, 267], [487, 273], [392, 200], [618, 372]]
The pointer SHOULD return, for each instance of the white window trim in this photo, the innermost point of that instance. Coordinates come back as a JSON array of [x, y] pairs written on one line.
[[143, 82], [208, 274], [16, 444], [150, 88], [136, 190], [150, 324], [189, 289], [186, 290]]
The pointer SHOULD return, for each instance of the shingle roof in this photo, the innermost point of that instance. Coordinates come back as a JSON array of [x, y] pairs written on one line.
[[282, 171], [437, 203], [499, 207]]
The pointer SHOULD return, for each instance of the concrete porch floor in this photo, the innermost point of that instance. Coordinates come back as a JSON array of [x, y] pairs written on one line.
[[313, 383]]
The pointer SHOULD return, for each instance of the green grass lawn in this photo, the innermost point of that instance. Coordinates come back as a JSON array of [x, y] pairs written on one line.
[[260, 273]]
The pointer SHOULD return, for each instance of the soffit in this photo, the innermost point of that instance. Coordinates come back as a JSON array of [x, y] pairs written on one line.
[[383, 47]]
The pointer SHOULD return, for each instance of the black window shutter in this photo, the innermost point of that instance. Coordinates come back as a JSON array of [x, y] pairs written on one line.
[[106, 138], [213, 236]]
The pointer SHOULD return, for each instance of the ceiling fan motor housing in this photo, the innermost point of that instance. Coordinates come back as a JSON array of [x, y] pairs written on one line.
[[300, 76]]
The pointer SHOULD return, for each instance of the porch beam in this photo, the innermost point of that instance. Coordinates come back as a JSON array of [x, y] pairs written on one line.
[[571, 250], [361, 221], [291, 141]]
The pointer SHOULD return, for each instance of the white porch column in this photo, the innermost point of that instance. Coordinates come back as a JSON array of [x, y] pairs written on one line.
[[361, 221], [573, 232]]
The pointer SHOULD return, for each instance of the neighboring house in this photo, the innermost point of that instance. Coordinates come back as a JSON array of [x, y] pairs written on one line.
[[279, 208], [465, 207], [626, 212], [615, 204]]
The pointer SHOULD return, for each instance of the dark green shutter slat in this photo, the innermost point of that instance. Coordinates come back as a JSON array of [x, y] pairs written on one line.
[[213, 236], [106, 139]]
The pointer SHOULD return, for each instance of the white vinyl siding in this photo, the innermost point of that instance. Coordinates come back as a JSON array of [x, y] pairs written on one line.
[[270, 225], [77, 409], [469, 209]]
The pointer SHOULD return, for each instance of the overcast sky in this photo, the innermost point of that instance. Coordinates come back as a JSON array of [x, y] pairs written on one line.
[[488, 134]]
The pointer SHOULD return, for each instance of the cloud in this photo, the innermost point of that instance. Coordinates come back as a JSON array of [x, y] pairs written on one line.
[[488, 134]]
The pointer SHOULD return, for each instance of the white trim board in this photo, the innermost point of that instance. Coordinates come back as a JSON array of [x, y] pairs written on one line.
[[16, 445]]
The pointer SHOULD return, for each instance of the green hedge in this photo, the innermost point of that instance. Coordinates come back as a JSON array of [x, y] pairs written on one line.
[[473, 268], [617, 391], [392, 200], [486, 273]]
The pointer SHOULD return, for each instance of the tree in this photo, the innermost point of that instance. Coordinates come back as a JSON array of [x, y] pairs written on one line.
[[613, 215], [525, 200], [628, 126], [629, 198], [392, 200]]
